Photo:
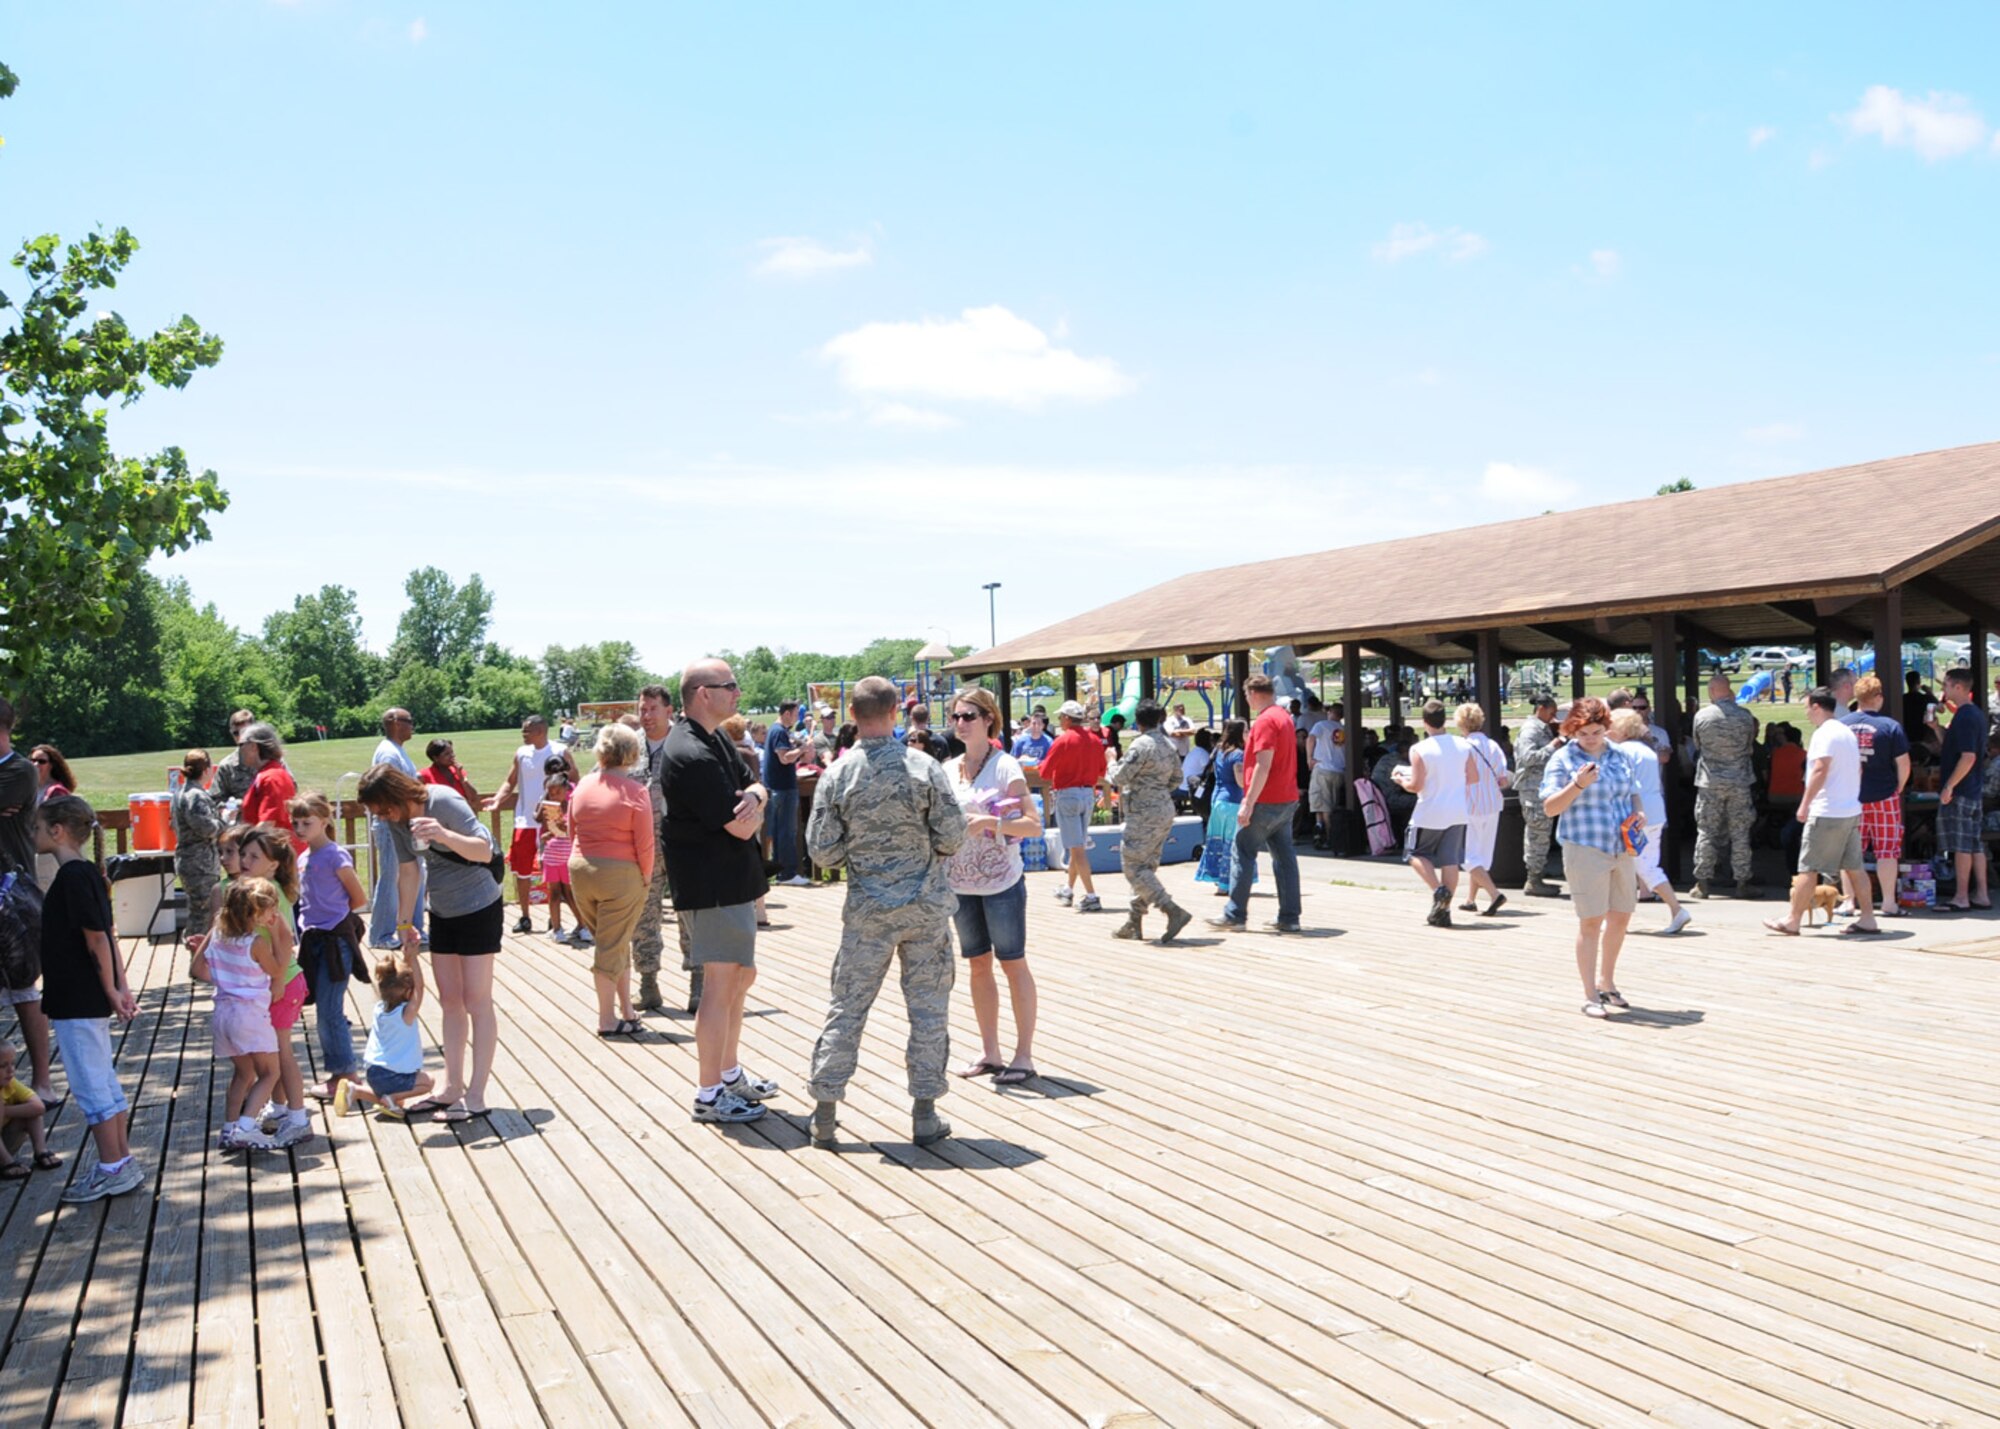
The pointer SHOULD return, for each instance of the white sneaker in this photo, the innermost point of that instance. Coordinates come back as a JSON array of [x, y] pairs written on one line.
[[561, 935], [1088, 903], [253, 1141], [797, 880], [582, 939], [1065, 894], [751, 1087], [272, 1112], [727, 1107], [1679, 921], [293, 1130]]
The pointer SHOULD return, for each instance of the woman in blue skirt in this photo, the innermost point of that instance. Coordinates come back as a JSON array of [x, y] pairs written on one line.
[[1219, 852]]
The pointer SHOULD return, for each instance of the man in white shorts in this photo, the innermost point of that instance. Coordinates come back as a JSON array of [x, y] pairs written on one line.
[[1439, 770]]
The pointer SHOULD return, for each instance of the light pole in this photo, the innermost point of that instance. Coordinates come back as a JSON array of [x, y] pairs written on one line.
[[992, 621]]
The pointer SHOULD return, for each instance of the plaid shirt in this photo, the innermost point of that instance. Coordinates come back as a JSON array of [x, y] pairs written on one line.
[[1592, 820]]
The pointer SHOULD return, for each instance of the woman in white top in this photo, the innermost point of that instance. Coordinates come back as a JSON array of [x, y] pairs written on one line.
[[1628, 733], [986, 874], [1490, 775]]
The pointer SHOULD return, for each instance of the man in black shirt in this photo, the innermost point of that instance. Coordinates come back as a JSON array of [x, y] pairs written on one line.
[[715, 869]]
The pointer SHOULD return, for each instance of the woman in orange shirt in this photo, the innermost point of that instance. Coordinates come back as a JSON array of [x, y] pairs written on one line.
[[610, 870]]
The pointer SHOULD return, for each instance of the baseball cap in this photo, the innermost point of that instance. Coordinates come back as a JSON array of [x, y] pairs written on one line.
[[1071, 709], [825, 710], [1545, 700]]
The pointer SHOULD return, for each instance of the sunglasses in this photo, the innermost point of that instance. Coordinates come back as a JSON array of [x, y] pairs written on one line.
[[732, 685], [965, 716], [38, 759]]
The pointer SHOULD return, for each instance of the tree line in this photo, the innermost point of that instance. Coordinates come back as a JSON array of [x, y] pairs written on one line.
[[170, 674]]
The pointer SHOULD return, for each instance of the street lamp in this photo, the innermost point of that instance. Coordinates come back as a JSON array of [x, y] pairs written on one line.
[[992, 622]]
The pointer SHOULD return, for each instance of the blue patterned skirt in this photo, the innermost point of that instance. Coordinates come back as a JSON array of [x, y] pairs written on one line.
[[1218, 854]]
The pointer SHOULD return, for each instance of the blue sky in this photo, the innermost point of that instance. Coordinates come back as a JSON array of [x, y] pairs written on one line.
[[709, 326]]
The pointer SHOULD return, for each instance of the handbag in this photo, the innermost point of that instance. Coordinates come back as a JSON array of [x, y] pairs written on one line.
[[1631, 835], [496, 865]]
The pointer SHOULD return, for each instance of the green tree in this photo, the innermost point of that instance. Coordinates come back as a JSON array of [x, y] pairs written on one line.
[[1683, 484], [316, 646], [444, 621], [77, 521], [606, 671], [103, 694], [211, 669]]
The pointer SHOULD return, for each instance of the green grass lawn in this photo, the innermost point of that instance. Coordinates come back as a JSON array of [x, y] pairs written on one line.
[[315, 764]]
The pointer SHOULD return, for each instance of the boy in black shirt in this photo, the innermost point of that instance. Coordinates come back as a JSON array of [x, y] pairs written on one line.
[[83, 986]]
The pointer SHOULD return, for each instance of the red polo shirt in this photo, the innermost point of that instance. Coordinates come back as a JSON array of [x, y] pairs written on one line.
[[1275, 731], [1074, 761]]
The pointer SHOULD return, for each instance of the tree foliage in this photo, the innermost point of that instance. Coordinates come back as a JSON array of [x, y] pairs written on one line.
[[443, 622], [1682, 484], [317, 647]]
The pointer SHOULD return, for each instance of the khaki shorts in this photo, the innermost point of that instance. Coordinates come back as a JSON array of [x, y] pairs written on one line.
[[1324, 796], [1830, 846], [1598, 882], [722, 935]]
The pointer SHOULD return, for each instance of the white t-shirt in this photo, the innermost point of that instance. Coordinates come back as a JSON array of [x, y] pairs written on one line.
[[1194, 764], [1327, 752], [1652, 796], [996, 776], [529, 780], [1180, 729], [1442, 802], [1840, 796]]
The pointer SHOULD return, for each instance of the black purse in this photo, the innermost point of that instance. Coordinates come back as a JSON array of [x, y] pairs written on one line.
[[496, 865]]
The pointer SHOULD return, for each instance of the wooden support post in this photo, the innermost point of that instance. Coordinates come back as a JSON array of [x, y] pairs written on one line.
[[1069, 682], [1690, 682], [1665, 704], [1576, 667], [1004, 680], [1822, 655], [1351, 693], [1149, 679], [1888, 622], [1239, 671], [1486, 678], [1392, 686], [1981, 695]]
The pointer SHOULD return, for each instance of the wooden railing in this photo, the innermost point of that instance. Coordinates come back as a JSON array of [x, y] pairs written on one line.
[[353, 816]]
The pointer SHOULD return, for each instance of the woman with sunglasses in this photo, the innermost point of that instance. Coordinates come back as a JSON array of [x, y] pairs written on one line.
[[1595, 791], [986, 873], [52, 773]]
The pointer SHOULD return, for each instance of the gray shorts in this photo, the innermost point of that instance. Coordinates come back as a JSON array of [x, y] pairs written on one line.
[[1830, 846], [721, 935], [1444, 848], [1073, 808]]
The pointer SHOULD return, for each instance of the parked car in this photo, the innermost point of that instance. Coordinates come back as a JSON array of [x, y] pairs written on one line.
[[1771, 657], [1627, 667]]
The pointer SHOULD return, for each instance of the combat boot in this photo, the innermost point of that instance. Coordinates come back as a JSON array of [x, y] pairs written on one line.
[[926, 1126], [1746, 889], [1131, 928], [1542, 888], [1700, 889], [694, 991], [1177, 919], [649, 993], [824, 1124]]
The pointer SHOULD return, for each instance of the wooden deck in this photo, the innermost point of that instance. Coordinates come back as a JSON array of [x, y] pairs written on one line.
[[1387, 1175]]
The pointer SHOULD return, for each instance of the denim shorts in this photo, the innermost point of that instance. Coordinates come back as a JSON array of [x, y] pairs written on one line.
[[1073, 808], [995, 923], [385, 1083], [85, 1043]]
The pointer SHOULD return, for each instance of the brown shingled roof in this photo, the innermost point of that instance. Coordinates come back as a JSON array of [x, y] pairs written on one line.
[[1722, 555]]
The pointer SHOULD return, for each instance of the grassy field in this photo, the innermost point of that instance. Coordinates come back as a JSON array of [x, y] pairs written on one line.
[[316, 764]]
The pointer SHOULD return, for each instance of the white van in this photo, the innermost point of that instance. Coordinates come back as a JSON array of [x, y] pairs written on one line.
[[1769, 657]]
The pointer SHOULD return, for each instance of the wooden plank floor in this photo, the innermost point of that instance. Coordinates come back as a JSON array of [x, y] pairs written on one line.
[[1378, 1174]]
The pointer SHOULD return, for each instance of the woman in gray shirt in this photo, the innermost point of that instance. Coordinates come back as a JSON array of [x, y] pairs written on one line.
[[436, 825]]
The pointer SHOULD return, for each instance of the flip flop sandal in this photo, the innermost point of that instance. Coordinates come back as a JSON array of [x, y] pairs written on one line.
[[15, 1171], [1773, 925], [1014, 1076], [982, 1068], [1853, 930], [47, 1161], [460, 1112], [428, 1104]]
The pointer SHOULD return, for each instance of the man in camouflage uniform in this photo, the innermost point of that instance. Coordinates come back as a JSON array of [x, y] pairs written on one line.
[[1724, 735], [888, 814], [1531, 757], [232, 780], [656, 721], [1145, 779]]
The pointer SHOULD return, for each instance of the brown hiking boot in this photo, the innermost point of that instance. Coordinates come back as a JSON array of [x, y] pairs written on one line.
[[1130, 929]]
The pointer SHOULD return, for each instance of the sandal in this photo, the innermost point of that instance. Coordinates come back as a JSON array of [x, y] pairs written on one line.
[[1855, 930], [627, 1027], [428, 1104], [1014, 1076], [15, 1171], [984, 1067], [1778, 927], [460, 1112], [47, 1161], [1612, 997]]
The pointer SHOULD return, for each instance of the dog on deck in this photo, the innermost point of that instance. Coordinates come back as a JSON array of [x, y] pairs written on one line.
[[1825, 898]]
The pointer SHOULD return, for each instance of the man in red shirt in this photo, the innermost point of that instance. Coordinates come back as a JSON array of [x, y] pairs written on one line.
[[1270, 799], [1073, 765], [271, 785]]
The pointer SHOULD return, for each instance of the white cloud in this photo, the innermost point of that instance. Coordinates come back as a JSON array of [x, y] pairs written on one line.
[[1605, 264], [1938, 126], [808, 257], [1776, 432], [1408, 240], [984, 355], [901, 414], [1762, 135], [1511, 485], [419, 31]]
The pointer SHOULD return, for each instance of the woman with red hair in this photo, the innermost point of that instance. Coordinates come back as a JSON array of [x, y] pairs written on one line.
[[1595, 790]]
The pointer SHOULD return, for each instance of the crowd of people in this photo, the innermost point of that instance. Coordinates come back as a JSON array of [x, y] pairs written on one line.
[[691, 807]]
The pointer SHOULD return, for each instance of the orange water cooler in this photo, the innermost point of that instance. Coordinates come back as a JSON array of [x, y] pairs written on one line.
[[152, 823]]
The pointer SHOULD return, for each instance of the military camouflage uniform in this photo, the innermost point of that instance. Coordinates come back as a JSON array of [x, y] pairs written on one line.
[[1531, 757], [646, 940], [888, 814], [197, 859], [1145, 779], [231, 781], [1724, 735]]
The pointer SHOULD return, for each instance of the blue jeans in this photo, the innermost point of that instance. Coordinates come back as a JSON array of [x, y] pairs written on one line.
[[1270, 827], [336, 1033], [382, 916], [782, 819], [995, 923]]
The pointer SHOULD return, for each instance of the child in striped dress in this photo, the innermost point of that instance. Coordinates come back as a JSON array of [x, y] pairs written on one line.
[[557, 843], [242, 960]]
